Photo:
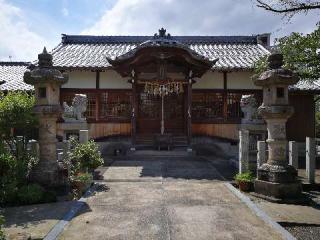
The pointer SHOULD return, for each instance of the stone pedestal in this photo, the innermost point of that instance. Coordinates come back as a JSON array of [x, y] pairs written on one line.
[[256, 132], [71, 128], [276, 178]]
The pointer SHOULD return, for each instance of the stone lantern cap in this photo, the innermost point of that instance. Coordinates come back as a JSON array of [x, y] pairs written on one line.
[[44, 72], [276, 74]]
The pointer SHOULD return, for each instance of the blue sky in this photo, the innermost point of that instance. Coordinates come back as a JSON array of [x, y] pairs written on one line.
[[27, 25]]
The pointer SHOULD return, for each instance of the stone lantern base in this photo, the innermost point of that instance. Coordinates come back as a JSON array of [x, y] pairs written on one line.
[[48, 174], [278, 190], [278, 181]]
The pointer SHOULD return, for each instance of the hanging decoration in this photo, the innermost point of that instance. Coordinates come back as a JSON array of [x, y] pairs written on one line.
[[163, 89]]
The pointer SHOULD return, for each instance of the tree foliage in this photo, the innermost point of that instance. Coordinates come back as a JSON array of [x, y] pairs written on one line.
[[288, 7], [16, 113], [301, 53]]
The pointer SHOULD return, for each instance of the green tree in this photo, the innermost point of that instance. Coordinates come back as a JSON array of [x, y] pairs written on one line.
[[16, 113], [301, 53]]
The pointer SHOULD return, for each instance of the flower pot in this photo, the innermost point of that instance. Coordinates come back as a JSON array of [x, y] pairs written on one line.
[[245, 186]]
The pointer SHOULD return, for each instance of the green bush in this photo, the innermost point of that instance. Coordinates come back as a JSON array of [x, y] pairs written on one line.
[[84, 156], [16, 112], [244, 177], [317, 124], [85, 178], [8, 164], [30, 194], [8, 193], [2, 236]]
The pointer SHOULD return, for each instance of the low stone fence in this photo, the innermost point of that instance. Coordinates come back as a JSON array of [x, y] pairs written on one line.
[[295, 149]]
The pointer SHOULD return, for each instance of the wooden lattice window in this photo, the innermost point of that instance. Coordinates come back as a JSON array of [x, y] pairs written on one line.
[[115, 105], [233, 106], [91, 105], [149, 106], [207, 105]]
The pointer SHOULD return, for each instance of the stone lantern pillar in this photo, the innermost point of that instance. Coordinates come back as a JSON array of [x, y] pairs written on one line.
[[276, 178], [47, 82]]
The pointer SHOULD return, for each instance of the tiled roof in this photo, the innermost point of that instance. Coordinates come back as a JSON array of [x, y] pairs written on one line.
[[234, 52], [11, 73], [306, 85]]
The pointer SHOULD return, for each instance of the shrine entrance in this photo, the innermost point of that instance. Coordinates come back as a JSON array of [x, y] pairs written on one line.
[[150, 114], [161, 71]]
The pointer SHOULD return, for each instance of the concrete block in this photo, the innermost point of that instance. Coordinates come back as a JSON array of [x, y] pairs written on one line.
[[310, 159], [83, 136], [294, 154]]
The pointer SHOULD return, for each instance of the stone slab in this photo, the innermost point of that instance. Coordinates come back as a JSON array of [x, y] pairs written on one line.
[[291, 213], [171, 208], [35, 220]]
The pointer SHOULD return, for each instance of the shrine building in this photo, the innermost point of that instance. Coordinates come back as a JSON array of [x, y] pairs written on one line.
[[186, 86]]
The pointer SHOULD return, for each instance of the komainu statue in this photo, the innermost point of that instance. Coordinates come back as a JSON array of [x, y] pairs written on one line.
[[75, 111], [249, 107]]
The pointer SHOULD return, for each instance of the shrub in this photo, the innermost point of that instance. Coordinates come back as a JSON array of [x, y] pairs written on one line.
[[16, 112], [244, 177], [2, 236], [7, 164], [84, 156], [49, 196], [8, 193], [30, 194], [85, 178]]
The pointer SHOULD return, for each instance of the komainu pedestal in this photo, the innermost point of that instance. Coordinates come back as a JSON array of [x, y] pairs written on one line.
[[276, 178]]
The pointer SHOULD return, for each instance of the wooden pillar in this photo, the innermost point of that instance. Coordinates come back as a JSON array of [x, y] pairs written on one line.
[[97, 79], [189, 103], [134, 109], [225, 96], [97, 115]]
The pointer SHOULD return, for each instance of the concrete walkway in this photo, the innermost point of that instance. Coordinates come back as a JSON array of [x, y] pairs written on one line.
[[165, 198]]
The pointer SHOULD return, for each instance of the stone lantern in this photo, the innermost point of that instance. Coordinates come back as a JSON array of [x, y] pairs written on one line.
[[47, 82], [276, 178]]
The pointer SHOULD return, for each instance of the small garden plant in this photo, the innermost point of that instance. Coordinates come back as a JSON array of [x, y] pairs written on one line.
[[82, 159], [245, 181], [244, 177]]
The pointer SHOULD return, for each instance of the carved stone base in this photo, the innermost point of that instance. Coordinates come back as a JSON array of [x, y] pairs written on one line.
[[277, 173], [48, 175], [278, 190]]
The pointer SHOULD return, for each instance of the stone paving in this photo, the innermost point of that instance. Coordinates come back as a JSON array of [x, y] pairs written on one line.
[[165, 198], [33, 220]]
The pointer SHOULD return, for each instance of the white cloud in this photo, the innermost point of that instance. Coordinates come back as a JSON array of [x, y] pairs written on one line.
[[16, 38], [206, 17], [65, 12]]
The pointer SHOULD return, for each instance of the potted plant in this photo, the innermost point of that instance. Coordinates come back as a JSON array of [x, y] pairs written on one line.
[[245, 181]]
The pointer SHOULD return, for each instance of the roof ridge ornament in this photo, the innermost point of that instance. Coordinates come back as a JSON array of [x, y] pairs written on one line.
[[45, 58], [162, 34]]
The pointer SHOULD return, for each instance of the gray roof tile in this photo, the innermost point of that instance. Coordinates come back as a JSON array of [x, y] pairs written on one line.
[[11, 73], [234, 52]]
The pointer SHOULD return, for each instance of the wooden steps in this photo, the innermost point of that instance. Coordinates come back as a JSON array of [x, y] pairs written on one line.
[[147, 140]]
